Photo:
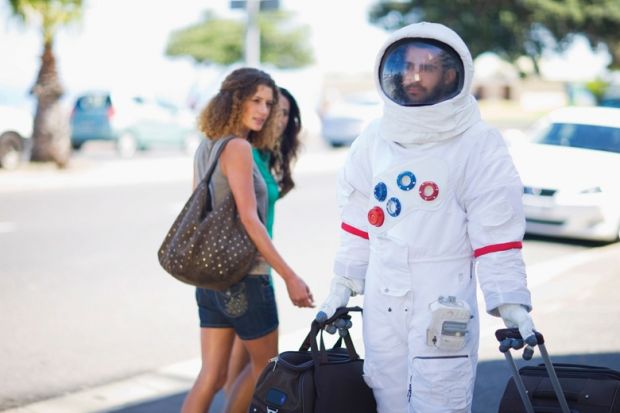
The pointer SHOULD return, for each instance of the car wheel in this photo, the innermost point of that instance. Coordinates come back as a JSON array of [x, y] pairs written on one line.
[[76, 146], [10, 150], [126, 145]]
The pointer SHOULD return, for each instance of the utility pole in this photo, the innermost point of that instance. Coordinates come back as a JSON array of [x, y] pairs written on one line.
[[252, 34], [252, 31]]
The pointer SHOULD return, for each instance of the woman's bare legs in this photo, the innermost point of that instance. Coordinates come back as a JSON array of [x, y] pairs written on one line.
[[215, 346], [261, 350], [239, 360]]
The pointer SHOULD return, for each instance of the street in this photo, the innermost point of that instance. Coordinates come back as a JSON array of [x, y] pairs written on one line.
[[84, 302]]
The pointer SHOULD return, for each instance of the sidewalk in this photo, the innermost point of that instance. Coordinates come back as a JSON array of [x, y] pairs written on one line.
[[110, 170], [159, 391], [555, 284], [86, 172]]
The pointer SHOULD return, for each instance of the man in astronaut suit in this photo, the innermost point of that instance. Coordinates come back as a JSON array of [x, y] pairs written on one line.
[[431, 205]]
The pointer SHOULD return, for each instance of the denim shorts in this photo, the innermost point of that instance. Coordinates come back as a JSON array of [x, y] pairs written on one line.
[[249, 307]]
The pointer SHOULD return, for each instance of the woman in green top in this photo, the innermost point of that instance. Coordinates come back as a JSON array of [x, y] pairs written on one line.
[[275, 167]]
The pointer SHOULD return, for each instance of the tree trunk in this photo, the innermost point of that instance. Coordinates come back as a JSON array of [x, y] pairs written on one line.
[[51, 134]]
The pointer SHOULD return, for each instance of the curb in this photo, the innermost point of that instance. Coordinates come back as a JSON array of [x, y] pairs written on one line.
[[166, 381]]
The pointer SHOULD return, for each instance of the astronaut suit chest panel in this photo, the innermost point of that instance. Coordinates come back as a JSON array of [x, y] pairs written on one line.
[[423, 230], [406, 181]]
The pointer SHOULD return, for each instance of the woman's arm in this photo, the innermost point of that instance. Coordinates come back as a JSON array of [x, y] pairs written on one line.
[[236, 164]]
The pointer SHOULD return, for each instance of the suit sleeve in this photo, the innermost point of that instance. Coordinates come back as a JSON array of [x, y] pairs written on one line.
[[496, 223], [354, 182]]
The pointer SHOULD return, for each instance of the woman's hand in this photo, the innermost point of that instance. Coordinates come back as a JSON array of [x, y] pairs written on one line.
[[299, 292]]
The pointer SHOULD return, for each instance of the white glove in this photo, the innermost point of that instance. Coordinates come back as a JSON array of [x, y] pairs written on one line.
[[516, 316], [341, 289]]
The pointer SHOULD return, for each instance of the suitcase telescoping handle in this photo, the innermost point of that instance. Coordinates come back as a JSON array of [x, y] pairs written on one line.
[[511, 338]]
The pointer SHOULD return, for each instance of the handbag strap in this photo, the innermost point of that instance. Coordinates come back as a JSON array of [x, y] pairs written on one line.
[[214, 158]]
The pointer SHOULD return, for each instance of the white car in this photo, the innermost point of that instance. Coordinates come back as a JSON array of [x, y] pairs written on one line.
[[15, 131], [571, 174], [344, 119]]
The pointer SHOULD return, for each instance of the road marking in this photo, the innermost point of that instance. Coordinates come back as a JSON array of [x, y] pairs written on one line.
[[6, 227]]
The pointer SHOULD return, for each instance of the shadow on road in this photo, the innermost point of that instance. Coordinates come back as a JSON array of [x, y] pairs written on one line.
[[493, 375], [168, 404], [566, 241], [491, 379]]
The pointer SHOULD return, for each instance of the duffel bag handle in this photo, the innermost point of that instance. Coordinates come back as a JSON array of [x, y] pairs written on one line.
[[340, 312], [320, 354]]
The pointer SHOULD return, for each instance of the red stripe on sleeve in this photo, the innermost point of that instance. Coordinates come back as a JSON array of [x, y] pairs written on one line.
[[497, 248], [352, 230]]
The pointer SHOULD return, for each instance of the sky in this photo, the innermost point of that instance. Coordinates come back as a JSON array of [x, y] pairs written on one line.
[[120, 45]]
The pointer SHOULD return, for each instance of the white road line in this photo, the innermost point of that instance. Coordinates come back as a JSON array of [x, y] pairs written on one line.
[[6, 227]]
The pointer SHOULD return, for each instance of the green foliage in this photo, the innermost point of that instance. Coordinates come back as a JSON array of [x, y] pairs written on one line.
[[512, 28], [220, 41], [212, 41], [284, 47], [597, 87], [48, 14]]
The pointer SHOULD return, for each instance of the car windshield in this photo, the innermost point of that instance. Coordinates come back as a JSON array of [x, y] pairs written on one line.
[[596, 137], [90, 102]]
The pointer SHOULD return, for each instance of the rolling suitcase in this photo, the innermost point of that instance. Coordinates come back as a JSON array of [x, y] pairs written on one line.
[[556, 388]]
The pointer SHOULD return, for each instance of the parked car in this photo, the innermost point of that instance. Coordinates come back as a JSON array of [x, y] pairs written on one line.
[[611, 97], [131, 122], [15, 134], [570, 173], [610, 101], [344, 119]]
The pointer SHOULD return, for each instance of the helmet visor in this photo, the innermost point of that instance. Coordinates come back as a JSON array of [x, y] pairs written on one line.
[[419, 72]]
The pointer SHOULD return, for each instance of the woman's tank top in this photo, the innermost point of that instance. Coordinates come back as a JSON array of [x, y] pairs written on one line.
[[261, 160]]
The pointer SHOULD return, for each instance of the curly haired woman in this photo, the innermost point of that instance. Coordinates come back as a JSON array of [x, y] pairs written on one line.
[[243, 107], [275, 167]]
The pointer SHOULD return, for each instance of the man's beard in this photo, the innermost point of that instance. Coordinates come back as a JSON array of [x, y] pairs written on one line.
[[424, 97]]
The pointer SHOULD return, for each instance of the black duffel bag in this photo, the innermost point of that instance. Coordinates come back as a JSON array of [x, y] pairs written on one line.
[[315, 379]]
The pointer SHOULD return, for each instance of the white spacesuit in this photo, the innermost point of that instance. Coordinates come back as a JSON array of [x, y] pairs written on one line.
[[431, 204]]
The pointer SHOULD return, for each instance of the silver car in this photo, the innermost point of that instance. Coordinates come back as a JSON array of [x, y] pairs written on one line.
[[570, 173], [343, 119]]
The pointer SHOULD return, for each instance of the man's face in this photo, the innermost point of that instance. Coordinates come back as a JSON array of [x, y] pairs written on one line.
[[424, 79]]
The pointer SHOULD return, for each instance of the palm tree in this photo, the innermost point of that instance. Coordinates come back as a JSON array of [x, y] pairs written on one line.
[[51, 130]]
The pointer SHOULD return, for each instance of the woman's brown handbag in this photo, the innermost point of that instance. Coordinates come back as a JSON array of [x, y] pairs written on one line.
[[206, 247]]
